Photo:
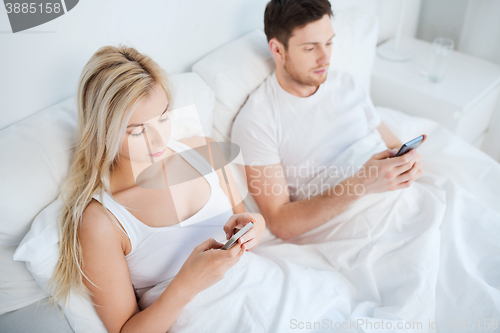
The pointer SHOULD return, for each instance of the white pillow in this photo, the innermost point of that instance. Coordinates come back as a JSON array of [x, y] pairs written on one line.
[[234, 70], [192, 113], [35, 157], [40, 250]]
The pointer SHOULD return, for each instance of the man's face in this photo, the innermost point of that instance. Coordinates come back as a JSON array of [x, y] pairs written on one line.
[[309, 48]]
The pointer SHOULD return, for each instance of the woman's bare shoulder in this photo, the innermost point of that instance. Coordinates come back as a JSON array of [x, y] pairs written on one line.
[[96, 223], [104, 263]]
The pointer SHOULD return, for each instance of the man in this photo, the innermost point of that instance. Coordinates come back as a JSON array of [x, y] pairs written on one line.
[[304, 115]]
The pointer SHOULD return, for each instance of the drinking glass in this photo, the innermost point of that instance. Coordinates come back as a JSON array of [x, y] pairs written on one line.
[[441, 52]]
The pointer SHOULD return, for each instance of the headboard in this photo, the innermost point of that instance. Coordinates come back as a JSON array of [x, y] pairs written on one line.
[[40, 66]]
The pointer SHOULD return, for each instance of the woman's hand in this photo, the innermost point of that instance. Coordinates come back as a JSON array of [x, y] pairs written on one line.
[[253, 236], [205, 266]]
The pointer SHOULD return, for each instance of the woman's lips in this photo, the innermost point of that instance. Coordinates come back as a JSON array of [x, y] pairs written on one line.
[[158, 153]]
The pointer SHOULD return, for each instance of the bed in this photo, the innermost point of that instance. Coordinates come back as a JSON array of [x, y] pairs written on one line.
[[429, 254]]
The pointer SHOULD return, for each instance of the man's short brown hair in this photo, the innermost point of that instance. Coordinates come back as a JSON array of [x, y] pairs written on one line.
[[281, 17]]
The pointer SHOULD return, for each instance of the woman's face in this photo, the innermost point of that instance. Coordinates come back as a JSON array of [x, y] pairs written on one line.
[[148, 130]]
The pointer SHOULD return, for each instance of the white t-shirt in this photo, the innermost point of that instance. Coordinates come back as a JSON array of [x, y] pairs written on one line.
[[303, 133]]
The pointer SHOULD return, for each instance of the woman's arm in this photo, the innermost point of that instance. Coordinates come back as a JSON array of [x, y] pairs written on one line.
[[105, 265], [115, 303]]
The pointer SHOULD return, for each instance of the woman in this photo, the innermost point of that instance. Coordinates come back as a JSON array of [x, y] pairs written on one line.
[[166, 234]]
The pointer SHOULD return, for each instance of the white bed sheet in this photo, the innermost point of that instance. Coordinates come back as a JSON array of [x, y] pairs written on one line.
[[423, 259]]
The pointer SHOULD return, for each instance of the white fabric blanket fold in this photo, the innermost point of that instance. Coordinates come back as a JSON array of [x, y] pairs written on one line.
[[421, 259]]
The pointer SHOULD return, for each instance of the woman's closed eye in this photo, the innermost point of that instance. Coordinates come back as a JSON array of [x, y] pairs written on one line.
[[138, 133], [160, 120], [164, 118]]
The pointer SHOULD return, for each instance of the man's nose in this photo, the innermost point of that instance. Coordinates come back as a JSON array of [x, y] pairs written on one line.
[[323, 56]]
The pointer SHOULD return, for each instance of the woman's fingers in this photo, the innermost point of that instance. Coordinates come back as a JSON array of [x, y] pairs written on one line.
[[248, 245], [228, 227], [237, 221], [243, 220], [209, 244], [252, 233], [233, 251]]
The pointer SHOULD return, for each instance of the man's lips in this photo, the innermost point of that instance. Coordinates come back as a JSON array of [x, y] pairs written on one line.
[[320, 71]]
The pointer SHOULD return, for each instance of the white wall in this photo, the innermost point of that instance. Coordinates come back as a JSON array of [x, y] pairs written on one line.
[[388, 13], [441, 18], [474, 25], [480, 35], [40, 67]]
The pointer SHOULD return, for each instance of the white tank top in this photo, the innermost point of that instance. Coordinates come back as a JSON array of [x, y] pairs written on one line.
[[158, 253]]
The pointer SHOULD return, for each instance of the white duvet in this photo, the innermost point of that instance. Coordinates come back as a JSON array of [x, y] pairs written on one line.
[[422, 259]]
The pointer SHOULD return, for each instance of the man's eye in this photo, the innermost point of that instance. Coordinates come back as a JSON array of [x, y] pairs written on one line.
[[309, 49]]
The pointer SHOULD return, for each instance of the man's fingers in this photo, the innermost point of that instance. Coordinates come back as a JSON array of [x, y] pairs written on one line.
[[403, 159], [399, 170], [412, 174], [425, 138], [383, 154], [403, 185]]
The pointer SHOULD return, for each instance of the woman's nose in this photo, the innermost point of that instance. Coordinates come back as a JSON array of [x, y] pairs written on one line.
[[156, 136]]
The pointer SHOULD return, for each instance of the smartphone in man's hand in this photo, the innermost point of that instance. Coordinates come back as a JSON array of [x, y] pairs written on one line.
[[412, 144]]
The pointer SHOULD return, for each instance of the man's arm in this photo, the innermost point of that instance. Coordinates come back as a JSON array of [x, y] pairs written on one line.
[[286, 219], [391, 141]]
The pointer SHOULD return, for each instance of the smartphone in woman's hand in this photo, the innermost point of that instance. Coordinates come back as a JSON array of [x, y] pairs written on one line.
[[231, 241]]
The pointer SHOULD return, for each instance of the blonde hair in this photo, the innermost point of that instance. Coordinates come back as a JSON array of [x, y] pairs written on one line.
[[112, 83]]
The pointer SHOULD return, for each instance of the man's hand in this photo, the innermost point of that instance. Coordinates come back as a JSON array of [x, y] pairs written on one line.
[[384, 172]]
